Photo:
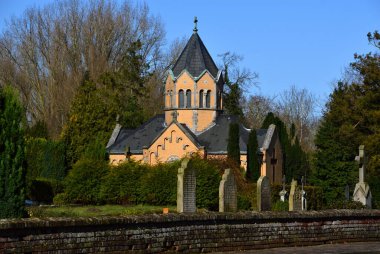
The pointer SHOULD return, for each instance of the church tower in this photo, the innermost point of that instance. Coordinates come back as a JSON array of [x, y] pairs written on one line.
[[194, 87]]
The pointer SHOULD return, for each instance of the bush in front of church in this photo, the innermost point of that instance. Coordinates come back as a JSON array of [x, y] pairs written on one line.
[[82, 184], [122, 185], [159, 185]]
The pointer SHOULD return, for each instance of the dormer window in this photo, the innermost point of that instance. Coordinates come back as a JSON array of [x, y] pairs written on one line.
[[181, 99]]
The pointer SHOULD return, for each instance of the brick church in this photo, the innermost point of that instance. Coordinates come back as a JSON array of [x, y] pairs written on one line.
[[193, 121]]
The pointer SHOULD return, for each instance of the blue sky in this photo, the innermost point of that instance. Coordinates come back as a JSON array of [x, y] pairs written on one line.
[[297, 42]]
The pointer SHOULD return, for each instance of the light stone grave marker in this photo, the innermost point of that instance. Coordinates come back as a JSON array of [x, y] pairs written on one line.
[[362, 192], [228, 192], [263, 194], [283, 192], [186, 184], [295, 197]]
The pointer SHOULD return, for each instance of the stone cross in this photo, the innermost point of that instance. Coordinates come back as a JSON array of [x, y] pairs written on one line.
[[186, 184], [228, 192], [283, 193], [361, 160], [263, 194]]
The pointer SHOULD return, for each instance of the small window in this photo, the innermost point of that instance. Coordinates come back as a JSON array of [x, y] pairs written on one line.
[[181, 101], [188, 99], [208, 94], [201, 99]]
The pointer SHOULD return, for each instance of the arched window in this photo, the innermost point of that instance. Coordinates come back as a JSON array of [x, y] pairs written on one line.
[[201, 99], [188, 98], [181, 101], [208, 94]]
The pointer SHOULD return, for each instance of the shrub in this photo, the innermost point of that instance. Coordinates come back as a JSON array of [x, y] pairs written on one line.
[[208, 180], [345, 204], [160, 184], [123, 185], [280, 206], [82, 184], [43, 190], [12, 156], [314, 195], [44, 160]]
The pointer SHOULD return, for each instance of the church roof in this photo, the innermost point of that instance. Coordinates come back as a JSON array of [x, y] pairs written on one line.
[[138, 138], [214, 139], [195, 59]]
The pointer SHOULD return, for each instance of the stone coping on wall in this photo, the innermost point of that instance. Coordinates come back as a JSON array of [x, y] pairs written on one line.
[[196, 218]]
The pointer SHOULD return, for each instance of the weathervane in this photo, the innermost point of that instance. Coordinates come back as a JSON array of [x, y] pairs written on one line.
[[195, 24]]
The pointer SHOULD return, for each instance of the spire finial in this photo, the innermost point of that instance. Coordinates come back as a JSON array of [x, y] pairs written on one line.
[[195, 24]]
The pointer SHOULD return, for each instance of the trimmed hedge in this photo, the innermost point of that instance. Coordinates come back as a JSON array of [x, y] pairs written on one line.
[[122, 184], [83, 183]]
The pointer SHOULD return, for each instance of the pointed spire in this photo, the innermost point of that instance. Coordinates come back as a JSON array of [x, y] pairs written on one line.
[[195, 24]]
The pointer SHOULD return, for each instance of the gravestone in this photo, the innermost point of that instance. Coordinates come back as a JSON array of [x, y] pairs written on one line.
[[347, 192], [283, 192], [362, 193], [303, 196], [227, 192], [186, 183], [263, 194], [295, 197]]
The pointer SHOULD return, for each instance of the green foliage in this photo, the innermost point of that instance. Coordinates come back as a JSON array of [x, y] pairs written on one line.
[[253, 166], [12, 157], [98, 103], [314, 196], [95, 151], [123, 184], [83, 183], [352, 118], [43, 190], [280, 206], [160, 184], [344, 204], [208, 180], [233, 148], [295, 160], [38, 130], [231, 100], [44, 159]]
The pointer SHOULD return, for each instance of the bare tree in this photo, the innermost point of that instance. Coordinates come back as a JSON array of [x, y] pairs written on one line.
[[46, 52], [298, 106], [237, 75], [256, 109]]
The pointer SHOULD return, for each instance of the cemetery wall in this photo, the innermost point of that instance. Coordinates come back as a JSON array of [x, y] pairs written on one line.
[[197, 232]]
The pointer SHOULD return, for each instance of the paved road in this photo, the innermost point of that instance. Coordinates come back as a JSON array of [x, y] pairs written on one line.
[[352, 248]]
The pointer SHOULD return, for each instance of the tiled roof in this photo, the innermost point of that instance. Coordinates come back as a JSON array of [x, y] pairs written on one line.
[[195, 59], [214, 139], [138, 138]]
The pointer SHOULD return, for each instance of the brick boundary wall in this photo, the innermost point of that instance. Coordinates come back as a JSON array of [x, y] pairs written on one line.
[[198, 232]]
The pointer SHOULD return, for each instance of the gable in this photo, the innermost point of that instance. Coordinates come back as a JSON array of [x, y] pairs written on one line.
[[174, 142]]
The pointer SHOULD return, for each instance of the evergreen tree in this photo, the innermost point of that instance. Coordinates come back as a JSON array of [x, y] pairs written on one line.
[[231, 101], [352, 118], [12, 166], [98, 104], [233, 148], [253, 166]]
